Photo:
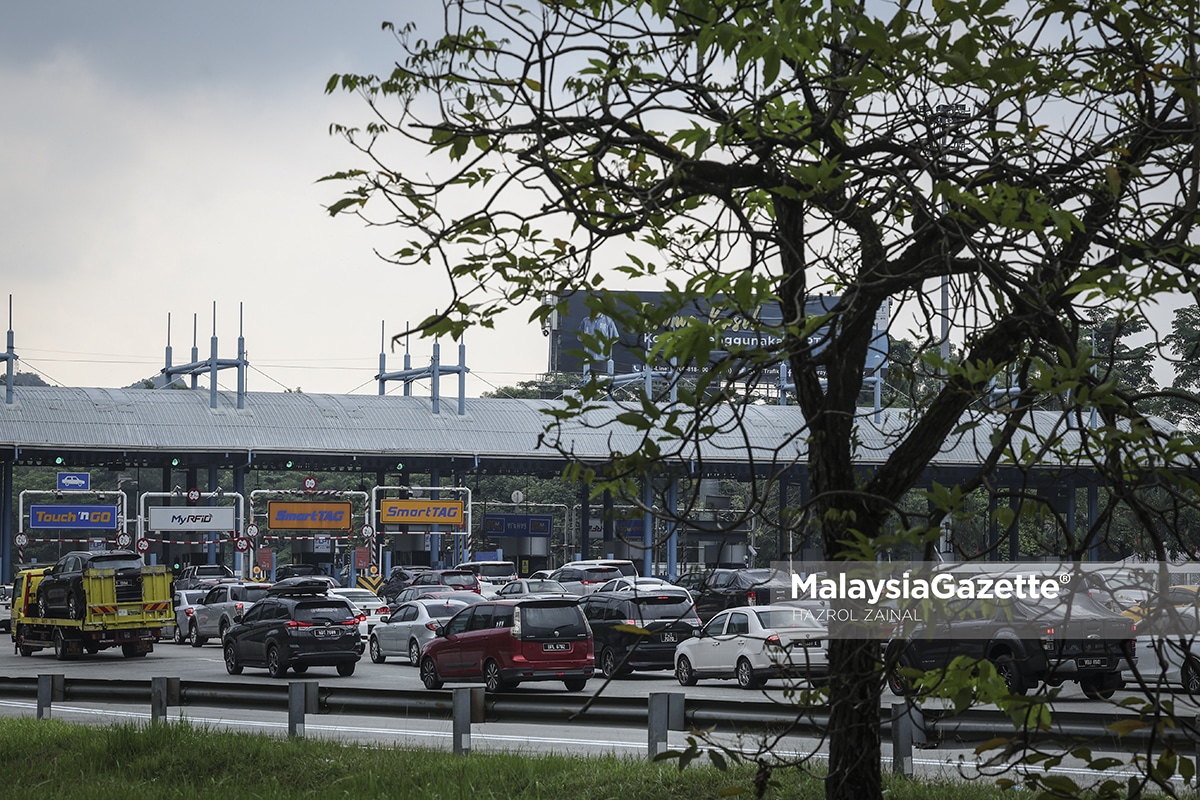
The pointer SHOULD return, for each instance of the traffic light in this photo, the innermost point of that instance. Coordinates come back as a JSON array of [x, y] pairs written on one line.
[[60, 461], [400, 466], [288, 464], [174, 462]]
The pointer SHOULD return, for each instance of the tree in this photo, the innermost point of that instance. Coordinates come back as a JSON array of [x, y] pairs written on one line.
[[1038, 159]]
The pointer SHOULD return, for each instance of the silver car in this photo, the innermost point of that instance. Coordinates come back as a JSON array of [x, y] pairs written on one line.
[[216, 610], [409, 628], [184, 602]]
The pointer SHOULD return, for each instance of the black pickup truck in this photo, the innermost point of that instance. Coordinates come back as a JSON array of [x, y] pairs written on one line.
[[1029, 644]]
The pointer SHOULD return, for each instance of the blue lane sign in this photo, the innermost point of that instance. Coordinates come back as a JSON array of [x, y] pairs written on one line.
[[74, 481], [539, 525], [73, 517]]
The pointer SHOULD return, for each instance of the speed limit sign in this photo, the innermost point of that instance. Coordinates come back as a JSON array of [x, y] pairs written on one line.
[[252, 530], [124, 540], [193, 495], [241, 544], [310, 483], [143, 545], [21, 540], [368, 532]]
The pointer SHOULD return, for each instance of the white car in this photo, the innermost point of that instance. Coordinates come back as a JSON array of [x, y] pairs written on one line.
[[754, 644], [1171, 658], [529, 587], [637, 584], [413, 625], [370, 604]]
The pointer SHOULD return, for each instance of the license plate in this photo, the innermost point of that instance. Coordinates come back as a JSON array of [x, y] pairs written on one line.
[[556, 647], [326, 633], [670, 637], [1091, 662]]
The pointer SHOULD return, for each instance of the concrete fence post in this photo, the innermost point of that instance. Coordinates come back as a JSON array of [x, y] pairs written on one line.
[[49, 689], [297, 706], [159, 693], [664, 713], [467, 708], [908, 728]]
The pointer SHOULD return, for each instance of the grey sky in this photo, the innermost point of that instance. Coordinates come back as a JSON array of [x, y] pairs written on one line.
[[159, 157]]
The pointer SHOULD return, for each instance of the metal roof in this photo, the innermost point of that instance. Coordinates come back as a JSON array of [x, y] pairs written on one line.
[[99, 425]]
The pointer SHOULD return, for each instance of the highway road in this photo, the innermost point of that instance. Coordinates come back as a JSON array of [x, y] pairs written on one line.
[[205, 664]]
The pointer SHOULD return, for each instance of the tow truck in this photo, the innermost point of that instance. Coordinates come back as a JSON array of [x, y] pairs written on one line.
[[132, 625]]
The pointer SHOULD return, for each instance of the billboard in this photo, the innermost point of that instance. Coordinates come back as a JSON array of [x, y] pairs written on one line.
[[308, 516], [421, 512], [73, 517], [192, 518], [628, 349], [541, 525]]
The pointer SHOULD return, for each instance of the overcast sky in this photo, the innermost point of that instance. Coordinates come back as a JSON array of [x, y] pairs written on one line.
[[156, 158]]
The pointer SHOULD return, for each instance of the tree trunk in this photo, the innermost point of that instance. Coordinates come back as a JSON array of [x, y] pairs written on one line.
[[855, 687]]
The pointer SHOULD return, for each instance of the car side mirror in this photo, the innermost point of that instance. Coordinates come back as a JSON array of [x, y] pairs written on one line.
[[698, 633], [439, 632], [237, 618], [384, 619]]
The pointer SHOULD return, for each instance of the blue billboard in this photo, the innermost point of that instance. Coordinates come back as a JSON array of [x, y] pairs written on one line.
[[539, 525], [73, 517]]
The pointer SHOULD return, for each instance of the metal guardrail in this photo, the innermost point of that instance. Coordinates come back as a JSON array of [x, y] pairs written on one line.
[[906, 725]]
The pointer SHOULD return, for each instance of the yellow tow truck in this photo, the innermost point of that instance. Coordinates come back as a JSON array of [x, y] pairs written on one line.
[[103, 621]]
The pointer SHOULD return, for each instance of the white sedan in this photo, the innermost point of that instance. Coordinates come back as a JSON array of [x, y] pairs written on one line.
[[370, 604], [754, 644], [410, 627], [1171, 657]]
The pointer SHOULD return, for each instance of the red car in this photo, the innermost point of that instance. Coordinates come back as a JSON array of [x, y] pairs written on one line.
[[505, 642]]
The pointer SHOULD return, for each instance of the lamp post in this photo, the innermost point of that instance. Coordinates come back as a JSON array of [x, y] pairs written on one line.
[[949, 119]]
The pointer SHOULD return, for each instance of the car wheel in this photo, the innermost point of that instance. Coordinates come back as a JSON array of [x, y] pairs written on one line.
[[1097, 689], [224, 630], [429, 674], [194, 635], [232, 666], [130, 650], [377, 655], [179, 637], [1190, 676], [684, 672], [300, 669], [492, 682], [346, 668], [1008, 669], [746, 677], [609, 665], [275, 666], [60, 645], [575, 684], [414, 652], [73, 608], [43, 606], [25, 650]]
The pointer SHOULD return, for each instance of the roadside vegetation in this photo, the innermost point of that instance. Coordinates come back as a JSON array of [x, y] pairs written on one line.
[[182, 760]]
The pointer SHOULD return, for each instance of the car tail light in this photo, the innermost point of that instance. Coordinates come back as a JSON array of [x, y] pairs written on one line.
[[355, 619], [295, 623], [433, 626], [515, 630], [773, 639], [238, 606], [1048, 639], [751, 598], [379, 612], [189, 611]]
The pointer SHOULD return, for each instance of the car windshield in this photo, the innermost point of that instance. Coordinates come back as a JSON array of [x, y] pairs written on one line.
[[459, 579], [668, 606], [444, 610], [115, 562], [600, 573], [545, 586], [255, 593], [497, 570], [789, 618], [322, 611], [544, 619]]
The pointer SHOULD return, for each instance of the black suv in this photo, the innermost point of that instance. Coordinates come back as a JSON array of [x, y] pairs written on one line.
[[668, 614], [296, 626], [720, 589], [60, 591], [399, 578], [1028, 644]]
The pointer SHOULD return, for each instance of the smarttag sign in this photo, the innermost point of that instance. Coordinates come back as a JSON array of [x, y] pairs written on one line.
[[73, 517], [421, 512], [309, 516], [192, 518]]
